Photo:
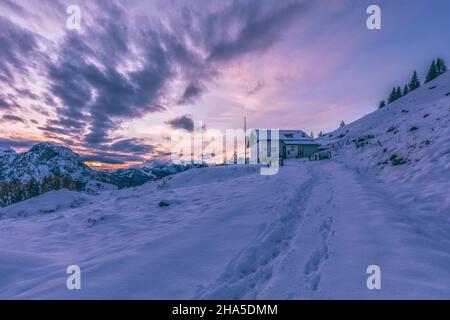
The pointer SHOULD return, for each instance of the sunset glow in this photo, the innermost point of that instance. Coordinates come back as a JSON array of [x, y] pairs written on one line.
[[115, 89]]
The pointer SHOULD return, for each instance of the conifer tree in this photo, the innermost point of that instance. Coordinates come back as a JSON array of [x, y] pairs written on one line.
[[32, 188], [46, 184], [392, 96], [56, 183], [68, 183], [432, 72], [342, 124], [382, 104], [441, 67], [398, 93], [405, 90], [415, 82]]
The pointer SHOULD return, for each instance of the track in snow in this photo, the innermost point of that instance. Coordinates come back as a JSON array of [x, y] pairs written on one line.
[[253, 267]]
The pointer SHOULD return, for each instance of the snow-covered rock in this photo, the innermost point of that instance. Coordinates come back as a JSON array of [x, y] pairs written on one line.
[[94, 187]]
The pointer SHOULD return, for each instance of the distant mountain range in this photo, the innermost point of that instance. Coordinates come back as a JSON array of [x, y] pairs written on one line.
[[42, 160], [47, 161]]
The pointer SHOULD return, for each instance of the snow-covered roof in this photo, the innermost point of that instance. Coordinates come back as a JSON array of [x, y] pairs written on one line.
[[307, 142], [294, 137], [287, 135]]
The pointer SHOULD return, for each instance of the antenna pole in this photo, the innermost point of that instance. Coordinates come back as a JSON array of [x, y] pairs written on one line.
[[245, 140]]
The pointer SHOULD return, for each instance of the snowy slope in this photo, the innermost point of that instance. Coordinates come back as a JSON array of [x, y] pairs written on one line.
[[309, 231], [414, 128], [403, 143], [5, 151], [49, 202], [6, 155], [228, 232]]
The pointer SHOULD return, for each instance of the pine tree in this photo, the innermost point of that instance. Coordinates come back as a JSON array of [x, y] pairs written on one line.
[[415, 82], [441, 67], [312, 135], [398, 93], [32, 188], [405, 90], [382, 104], [6, 193], [392, 96], [46, 184], [68, 183], [17, 192], [342, 124], [56, 183], [432, 72], [320, 133]]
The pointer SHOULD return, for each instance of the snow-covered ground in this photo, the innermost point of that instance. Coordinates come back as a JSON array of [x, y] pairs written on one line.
[[309, 231]]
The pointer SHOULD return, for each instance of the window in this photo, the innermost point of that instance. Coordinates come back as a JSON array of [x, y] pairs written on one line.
[[292, 148], [289, 135]]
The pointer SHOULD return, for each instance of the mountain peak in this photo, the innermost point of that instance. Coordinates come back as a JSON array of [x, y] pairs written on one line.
[[47, 145], [48, 150]]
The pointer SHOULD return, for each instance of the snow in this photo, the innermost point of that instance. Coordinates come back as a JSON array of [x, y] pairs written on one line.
[[93, 187], [50, 202], [308, 232], [233, 236], [5, 151], [387, 133], [44, 159]]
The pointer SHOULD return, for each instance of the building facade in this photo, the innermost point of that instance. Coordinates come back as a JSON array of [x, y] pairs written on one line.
[[291, 144]]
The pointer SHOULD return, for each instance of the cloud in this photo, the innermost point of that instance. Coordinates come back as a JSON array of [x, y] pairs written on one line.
[[112, 157], [248, 26], [98, 93], [121, 151], [25, 93], [255, 89], [192, 92], [183, 122], [3, 103], [12, 118], [17, 143], [14, 7], [17, 47], [132, 145], [101, 159], [123, 66], [56, 129]]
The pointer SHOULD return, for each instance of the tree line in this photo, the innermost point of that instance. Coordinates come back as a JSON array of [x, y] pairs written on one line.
[[436, 68], [16, 191]]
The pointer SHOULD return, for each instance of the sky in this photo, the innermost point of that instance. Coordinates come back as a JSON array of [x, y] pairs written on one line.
[[115, 89]]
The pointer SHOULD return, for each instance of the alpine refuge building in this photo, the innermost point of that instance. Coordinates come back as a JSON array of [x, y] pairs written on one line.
[[292, 144]]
